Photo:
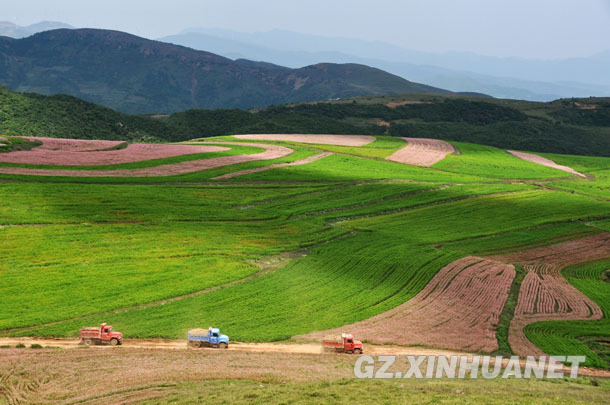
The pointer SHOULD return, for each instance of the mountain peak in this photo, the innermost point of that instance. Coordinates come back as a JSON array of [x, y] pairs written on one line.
[[137, 75]]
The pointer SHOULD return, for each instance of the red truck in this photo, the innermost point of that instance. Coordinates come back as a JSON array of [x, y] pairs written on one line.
[[103, 334], [346, 344]]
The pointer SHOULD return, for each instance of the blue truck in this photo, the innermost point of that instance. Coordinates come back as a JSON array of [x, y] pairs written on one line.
[[210, 337]]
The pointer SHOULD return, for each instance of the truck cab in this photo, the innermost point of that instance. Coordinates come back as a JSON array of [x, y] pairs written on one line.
[[350, 344], [108, 334]]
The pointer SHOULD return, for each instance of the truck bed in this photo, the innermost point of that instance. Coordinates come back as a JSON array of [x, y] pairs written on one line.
[[89, 333], [332, 343], [200, 338]]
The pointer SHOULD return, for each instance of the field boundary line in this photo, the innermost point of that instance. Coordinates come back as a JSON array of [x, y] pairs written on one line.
[[416, 207]]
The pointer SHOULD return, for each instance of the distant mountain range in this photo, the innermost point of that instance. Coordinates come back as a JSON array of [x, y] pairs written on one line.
[[8, 29], [539, 80], [536, 80], [137, 75]]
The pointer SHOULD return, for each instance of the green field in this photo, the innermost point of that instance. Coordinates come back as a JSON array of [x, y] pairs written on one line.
[[358, 236]]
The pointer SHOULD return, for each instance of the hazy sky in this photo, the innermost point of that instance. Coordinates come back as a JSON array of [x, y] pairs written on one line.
[[528, 28]]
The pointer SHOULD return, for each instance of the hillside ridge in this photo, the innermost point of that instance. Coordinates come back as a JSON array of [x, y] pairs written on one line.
[[136, 75]]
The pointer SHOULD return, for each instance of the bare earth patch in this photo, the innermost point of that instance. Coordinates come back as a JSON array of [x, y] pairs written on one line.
[[545, 295], [422, 152], [274, 166], [72, 152], [339, 140], [530, 157], [75, 145], [271, 152], [458, 309], [398, 104]]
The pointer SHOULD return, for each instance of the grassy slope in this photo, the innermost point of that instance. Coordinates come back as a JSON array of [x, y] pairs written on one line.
[[388, 228]]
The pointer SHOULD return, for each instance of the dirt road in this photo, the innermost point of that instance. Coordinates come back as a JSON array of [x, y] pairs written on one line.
[[168, 344], [296, 348]]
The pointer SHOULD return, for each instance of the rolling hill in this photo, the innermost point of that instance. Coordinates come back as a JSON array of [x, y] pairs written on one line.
[[574, 126], [137, 75]]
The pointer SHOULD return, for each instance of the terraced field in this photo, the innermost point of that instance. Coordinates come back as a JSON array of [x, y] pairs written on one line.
[[285, 238]]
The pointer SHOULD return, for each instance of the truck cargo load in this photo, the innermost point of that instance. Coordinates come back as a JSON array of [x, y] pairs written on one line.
[[210, 337]]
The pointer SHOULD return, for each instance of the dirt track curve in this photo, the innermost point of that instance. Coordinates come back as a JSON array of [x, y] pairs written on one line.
[[531, 157], [271, 152], [274, 166], [422, 152]]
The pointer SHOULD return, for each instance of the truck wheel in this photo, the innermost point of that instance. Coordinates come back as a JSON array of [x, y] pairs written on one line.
[[196, 344], [88, 342], [223, 346], [357, 351], [114, 342]]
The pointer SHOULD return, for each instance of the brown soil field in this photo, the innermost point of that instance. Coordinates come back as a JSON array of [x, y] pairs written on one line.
[[398, 104], [339, 140], [271, 152], [530, 157], [67, 152], [75, 145], [458, 309], [586, 106], [422, 152], [545, 295], [274, 166]]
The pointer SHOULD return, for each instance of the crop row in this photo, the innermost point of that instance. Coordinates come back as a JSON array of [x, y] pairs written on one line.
[[580, 337]]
